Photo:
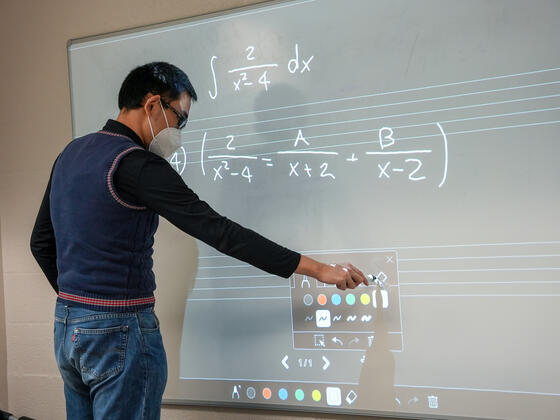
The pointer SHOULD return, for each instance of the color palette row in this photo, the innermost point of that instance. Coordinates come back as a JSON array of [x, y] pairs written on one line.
[[332, 394], [336, 299]]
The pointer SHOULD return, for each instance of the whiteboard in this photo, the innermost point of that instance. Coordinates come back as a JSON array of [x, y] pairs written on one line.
[[417, 140]]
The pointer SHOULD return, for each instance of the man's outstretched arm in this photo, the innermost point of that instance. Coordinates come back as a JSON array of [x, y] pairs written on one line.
[[158, 186]]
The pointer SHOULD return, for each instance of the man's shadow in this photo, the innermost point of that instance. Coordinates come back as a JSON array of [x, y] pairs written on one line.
[[377, 377], [175, 267]]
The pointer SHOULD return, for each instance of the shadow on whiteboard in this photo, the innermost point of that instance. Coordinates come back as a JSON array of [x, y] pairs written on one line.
[[175, 267], [377, 378]]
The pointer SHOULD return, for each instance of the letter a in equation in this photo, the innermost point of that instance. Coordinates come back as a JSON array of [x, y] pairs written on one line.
[[300, 138]]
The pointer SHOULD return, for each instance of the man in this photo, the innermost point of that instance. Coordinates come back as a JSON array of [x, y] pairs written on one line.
[[93, 239]]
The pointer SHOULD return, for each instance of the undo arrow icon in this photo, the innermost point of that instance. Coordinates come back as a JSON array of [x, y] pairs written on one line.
[[337, 341]]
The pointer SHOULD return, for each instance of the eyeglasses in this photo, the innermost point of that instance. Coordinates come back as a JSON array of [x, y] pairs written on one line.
[[181, 118]]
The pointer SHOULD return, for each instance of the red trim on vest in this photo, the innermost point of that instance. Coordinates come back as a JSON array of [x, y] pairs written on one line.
[[107, 302], [110, 179]]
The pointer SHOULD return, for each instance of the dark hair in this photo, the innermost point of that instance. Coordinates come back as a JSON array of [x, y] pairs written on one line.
[[158, 78]]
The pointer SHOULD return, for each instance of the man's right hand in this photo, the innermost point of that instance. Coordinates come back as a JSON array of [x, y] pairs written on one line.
[[344, 276]]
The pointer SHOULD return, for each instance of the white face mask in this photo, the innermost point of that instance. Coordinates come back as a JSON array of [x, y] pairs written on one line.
[[167, 140]]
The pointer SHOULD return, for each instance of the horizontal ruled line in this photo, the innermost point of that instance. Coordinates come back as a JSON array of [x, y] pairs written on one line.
[[414, 101], [380, 94]]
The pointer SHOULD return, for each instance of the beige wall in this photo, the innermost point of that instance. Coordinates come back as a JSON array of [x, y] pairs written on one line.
[[35, 125], [3, 355]]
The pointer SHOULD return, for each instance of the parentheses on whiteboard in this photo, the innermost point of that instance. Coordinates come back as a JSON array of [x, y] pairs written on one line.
[[214, 77], [184, 160], [446, 156], [202, 154]]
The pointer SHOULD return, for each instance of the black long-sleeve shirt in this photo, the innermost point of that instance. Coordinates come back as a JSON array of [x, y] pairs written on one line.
[[145, 179]]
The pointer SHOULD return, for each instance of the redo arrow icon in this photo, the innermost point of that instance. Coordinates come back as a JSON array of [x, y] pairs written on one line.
[[284, 362]]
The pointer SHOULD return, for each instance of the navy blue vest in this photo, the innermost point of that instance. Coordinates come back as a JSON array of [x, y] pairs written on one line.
[[103, 244]]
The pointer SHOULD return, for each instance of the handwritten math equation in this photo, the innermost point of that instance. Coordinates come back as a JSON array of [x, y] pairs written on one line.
[[303, 161], [253, 73]]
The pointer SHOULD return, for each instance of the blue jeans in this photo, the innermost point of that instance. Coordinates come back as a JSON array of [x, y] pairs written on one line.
[[113, 364]]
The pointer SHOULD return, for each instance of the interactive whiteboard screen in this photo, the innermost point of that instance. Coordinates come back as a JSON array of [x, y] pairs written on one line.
[[417, 140]]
